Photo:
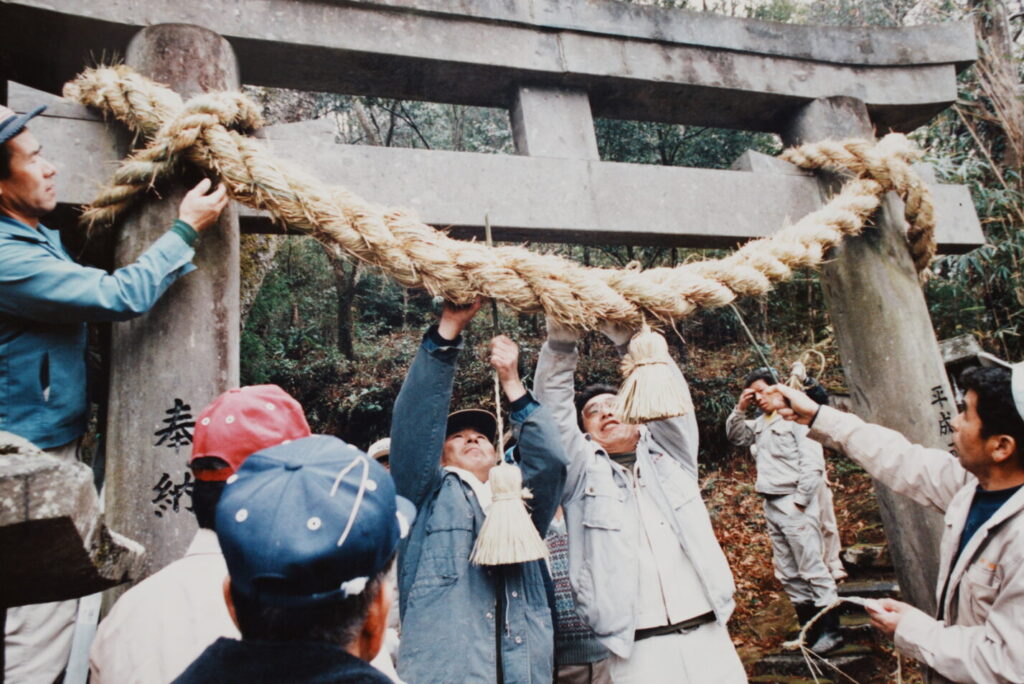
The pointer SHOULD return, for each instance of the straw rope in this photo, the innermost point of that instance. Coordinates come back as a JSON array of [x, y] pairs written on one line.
[[209, 131]]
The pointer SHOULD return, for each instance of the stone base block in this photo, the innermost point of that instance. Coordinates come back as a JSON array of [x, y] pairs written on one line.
[[55, 543]]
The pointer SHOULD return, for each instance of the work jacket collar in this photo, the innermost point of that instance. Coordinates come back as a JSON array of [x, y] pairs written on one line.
[[15, 228]]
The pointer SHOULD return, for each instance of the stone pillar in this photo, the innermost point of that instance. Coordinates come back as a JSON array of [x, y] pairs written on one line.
[[553, 122], [890, 355], [169, 363]]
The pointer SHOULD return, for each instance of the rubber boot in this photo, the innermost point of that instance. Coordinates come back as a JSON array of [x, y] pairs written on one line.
[[804, 612], [828, 636]]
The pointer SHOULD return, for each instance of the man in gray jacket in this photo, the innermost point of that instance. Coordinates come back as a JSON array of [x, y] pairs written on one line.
[[790, 475], [462, 622], [977, 633], [646, 569]]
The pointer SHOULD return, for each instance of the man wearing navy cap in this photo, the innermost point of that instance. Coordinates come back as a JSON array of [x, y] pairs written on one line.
[[309, 530], [498, 618], [976, 634], [130, 646], [46, 299]]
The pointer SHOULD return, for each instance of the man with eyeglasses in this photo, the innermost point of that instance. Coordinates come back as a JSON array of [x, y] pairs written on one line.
[[646, 570]]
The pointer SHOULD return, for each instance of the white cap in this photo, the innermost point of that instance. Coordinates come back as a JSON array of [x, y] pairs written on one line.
[[379, 449]]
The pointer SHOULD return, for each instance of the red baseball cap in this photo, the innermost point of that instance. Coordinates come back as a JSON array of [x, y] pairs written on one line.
[[241, 422]]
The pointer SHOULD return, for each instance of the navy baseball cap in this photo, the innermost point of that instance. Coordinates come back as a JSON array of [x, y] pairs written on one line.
[[309, 521], [11, 124]]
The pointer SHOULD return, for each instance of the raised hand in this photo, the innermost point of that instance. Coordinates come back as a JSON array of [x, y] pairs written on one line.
[[504, 359], [746, 397], [455, 317], [794, 404], [201, 207]]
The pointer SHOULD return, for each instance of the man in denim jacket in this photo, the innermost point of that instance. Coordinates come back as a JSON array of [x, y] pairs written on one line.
[[462, 622], [46, 299], [646, 569]]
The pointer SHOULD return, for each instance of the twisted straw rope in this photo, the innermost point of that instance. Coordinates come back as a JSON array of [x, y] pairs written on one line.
[[209, 131]]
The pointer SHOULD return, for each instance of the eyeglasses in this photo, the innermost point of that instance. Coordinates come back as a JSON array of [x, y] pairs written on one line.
[[599, 406]]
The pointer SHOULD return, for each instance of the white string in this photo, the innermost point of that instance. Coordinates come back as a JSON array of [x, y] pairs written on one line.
[[360, 460]]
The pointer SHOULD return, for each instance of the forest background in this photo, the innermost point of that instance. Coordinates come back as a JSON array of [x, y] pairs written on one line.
[[340, 337]]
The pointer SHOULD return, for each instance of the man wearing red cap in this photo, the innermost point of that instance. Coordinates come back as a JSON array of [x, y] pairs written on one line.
[[46, 300], [163, 623]]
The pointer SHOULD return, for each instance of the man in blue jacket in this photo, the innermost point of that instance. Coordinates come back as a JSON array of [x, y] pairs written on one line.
[[462, 622], [46, 299]]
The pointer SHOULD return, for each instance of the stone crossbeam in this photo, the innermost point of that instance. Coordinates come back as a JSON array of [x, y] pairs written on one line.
[[634, 62], [527, 198]]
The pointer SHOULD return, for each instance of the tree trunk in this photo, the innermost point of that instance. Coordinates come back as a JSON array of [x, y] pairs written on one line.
[[346, 275]]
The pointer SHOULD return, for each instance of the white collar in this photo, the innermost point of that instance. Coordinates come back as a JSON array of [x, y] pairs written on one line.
[[205, 542], [481, 489]]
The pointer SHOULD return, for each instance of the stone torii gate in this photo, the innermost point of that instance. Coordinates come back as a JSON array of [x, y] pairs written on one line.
[[554, 66]]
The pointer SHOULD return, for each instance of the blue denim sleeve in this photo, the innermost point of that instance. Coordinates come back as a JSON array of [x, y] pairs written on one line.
[[543, 463], [41, 286], [521, 408], [419, 418]]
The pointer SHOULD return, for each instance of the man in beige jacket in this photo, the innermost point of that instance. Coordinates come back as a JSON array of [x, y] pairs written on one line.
[[979, 629]]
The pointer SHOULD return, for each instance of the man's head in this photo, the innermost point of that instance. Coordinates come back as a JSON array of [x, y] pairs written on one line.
[[27, 189], [597, 412], [989, 431], [239, 422], [469, 442], [309, 531], [759, 380]]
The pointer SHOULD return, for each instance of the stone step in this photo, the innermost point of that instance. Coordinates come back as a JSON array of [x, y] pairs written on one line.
[[867, 557], [857, 627], [870, 588], [855, 660]]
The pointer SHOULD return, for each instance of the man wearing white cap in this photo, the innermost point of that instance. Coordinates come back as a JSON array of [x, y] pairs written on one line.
[[977, 634], [46, 299]]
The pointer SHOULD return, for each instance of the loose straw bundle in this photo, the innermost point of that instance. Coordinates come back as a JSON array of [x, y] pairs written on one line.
[[508, 534], [651, 390]]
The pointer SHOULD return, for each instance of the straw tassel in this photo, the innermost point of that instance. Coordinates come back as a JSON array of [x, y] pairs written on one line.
[[508, 535], [651, 391]]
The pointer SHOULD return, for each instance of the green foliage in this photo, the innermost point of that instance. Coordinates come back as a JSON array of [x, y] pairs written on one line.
[[643, 142]]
